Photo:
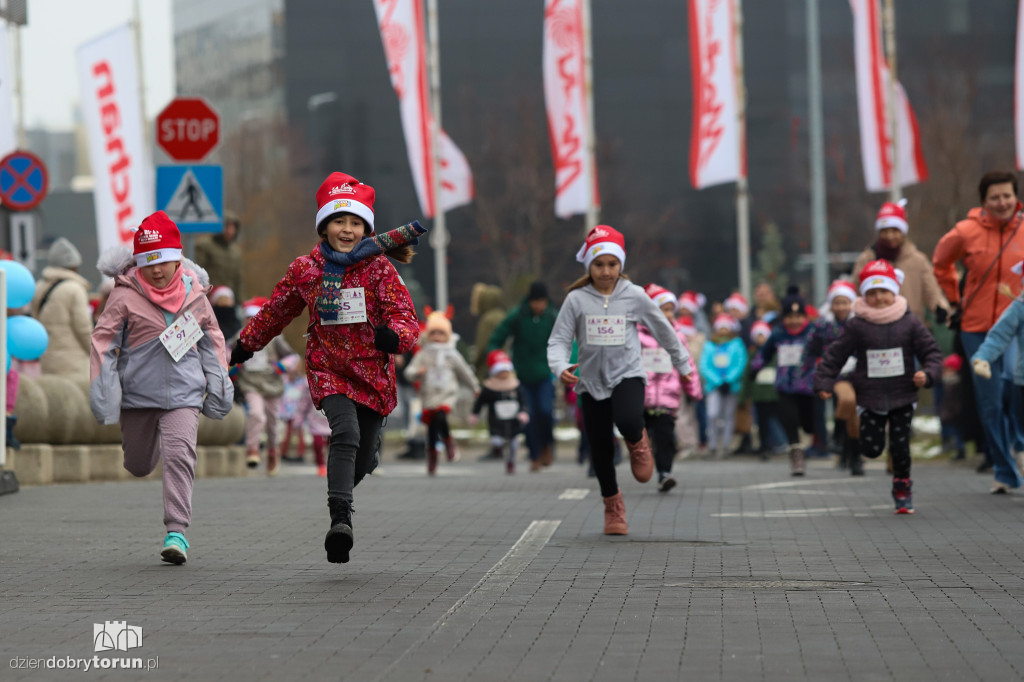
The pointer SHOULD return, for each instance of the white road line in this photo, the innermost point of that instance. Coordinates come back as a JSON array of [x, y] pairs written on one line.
[[475, 604], [792, 513], [574, 494]]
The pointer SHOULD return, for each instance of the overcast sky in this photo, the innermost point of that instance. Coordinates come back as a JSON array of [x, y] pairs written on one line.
[[55, 30]]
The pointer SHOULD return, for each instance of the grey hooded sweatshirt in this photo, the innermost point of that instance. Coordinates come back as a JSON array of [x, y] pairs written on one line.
[[602, 367]]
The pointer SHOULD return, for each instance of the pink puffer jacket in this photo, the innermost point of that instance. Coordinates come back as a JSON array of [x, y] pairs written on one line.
[[665, 389]]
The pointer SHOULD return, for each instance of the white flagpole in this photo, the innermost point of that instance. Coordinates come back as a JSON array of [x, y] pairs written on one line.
[[895, 186], [594, 210], [439, 235], [819, 224], [742, 196]]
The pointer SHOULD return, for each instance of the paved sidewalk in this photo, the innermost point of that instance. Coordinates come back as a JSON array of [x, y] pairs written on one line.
[[740, 573]]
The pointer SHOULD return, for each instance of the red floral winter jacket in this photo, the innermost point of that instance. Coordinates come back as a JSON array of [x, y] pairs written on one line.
[[341, 359]]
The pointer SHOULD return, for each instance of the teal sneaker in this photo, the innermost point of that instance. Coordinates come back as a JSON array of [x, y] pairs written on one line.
[[175, 545]]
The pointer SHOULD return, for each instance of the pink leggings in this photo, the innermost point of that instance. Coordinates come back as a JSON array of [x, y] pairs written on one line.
[[149, 434], [262, 415]]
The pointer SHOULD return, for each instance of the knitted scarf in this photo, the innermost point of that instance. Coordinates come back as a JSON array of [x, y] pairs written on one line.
[[328, 301], [886, 315]]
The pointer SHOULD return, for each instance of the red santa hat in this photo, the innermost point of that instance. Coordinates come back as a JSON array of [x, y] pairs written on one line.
[[157, 240], [760, 327], [953, 362], [686, 325], [689, 300], [498, 361], [222, 291], [893, 215], [879, 274], [253, 305], [738, 303], [341, 193], [841, 287], [726, 322], [661, 296], [602, 240]]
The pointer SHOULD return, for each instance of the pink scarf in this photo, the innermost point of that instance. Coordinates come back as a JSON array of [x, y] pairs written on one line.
[[170, 297], [886, 315]]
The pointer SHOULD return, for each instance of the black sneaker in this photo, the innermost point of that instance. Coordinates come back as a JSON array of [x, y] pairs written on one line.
[[666, 484]]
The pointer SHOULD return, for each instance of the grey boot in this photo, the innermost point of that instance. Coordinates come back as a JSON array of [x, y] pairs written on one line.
[[339, 538], [796, 461]]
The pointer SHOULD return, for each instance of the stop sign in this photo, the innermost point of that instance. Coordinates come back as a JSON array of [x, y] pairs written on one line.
[[188, 129]]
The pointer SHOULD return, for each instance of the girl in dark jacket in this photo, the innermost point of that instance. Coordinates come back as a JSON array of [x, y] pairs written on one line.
[[886, 339]]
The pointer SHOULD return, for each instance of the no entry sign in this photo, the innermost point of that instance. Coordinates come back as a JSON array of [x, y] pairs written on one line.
[[23, 180], [188, 129]]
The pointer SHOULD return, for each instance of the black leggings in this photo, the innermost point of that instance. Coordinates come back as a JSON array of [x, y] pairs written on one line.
[[437, 429], [872, 437], [355, 442], [661, 429], [624, 409], [796, 412]]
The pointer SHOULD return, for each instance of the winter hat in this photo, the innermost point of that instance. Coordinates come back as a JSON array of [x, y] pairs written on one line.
[[602, 240], [221, 292], [793, 302], [760, 327], [538, 291], [439, 321], [738, 303], [841, 287], [953, 362], [726, 322], [661, 296], [253, 305], [157, 240], [498, 361], [686, 325], [689, 300], [63, 254], [892, 215], [879, 274], [341, 193]]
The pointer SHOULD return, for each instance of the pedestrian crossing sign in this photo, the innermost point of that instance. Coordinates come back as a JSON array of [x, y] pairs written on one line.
[[192, 196]]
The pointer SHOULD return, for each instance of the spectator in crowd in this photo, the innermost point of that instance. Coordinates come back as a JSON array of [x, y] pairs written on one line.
[[61, 304], [485, 303], [221, 256]]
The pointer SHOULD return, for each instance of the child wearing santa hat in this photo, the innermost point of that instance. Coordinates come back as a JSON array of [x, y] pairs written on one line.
[[824, 331], [794, 375], [665, 390], [440, 370], [223, 300], [360, 314], [157, 361], [601, 312], [260, 381], [722, 363], [886, 338], [506, 404], [759, 388]]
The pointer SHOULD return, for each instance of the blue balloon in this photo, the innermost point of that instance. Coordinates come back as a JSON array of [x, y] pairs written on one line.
[[21, 286], [26, 338]]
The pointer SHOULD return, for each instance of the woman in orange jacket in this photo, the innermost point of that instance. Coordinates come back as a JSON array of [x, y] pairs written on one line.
[[989, 242]]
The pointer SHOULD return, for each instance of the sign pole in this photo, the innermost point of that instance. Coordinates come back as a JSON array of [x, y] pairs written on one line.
[[895, 186], [439, 235], [3, 358], [594, 209], [819, 224], [742, 195]]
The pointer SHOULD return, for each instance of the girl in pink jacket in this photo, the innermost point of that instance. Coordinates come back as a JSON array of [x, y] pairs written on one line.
[[157, 360], [665, 388]]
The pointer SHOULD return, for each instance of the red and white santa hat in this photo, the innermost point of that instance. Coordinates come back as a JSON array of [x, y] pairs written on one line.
[[661, 295], [724, 322], [879, 274], [602, 240], [686, 325], [893, 215], [842, 288], [253, 305], [341, 193], [758, 328], [498, 361], [688, 300], [157, 240], [222, 291], [738, 303]]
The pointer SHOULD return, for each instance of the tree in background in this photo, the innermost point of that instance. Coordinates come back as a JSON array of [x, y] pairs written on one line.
[[771, 260]]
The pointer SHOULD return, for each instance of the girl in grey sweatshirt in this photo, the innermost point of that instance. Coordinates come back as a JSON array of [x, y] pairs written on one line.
[[601, 313]]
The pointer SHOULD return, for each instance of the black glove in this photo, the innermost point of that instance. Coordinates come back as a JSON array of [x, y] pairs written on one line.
[[239, 354], [941, 315], [385, 339]]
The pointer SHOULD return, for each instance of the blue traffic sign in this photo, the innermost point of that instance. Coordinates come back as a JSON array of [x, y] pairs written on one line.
[[23, 180], [192, 196]]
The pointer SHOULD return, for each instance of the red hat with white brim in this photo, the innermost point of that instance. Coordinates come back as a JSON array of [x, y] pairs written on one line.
[[254, 305], [738, 303], [603, 240], [726, 322], [661, 296], [498, 361], [892, 215], [341, 193], [157, 240], [842, 288], [879, 274]]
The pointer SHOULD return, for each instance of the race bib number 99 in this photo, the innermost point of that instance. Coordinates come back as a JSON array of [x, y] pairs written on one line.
[[606, 330], [885, 363]]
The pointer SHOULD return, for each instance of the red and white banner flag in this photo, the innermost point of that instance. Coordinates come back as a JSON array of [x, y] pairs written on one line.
[[565, 98], [1018, 87], [112, 115], [401, 30], [873, 77], [717, 141]]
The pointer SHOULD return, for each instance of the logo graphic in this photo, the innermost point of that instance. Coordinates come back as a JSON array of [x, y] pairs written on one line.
[[116, 634], [148, 236], [343, 203], [150, 257], [342, 189]]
